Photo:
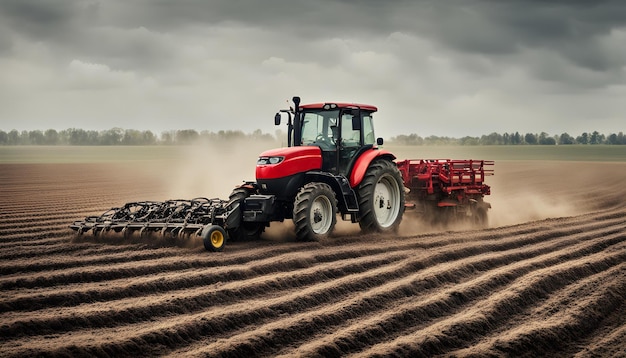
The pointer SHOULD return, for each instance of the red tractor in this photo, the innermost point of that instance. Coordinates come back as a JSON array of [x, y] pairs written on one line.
[[332, 165]]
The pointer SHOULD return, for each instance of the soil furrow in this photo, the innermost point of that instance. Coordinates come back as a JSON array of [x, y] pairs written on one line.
[[60, 262], [611, 344], [85, 249], [118, 271], [181, 280], [136, 286], [200, 297], [453, 253], [404, 314], [459, 329], [583, 304], [282, 308]]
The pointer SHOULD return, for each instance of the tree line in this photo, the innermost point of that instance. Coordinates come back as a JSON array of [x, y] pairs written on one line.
[[513, 139], [119, 136]]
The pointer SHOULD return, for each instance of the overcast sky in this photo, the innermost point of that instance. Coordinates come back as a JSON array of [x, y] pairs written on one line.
[[447, 68]]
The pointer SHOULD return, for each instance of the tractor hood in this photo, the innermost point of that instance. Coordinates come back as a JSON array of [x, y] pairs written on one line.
[[284, 162]]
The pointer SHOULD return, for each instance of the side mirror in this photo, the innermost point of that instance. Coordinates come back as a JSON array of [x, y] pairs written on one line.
[[277, 119], [379, 141]]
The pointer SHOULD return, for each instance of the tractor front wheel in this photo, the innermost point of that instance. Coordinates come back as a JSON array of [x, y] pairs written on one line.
[[381, 197], [315, 212]]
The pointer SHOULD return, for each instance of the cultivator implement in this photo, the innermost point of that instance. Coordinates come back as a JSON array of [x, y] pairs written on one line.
[[179, 218]]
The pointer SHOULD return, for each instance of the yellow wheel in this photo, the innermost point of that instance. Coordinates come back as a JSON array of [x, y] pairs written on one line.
[[214, 238]]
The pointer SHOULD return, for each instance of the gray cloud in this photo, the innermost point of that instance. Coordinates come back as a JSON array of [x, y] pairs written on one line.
[[433, 67]]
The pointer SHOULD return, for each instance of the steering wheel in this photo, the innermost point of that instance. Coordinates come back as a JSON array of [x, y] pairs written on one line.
[[325, 142]]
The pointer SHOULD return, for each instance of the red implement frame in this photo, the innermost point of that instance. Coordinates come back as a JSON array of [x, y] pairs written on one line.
[[462, 179]]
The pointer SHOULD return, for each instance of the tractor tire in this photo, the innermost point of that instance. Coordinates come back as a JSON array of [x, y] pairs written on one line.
[[246, 231], [214, 238], [315, 212], [381, 198]]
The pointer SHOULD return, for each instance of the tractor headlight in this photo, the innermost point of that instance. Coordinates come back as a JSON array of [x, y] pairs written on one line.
[[275, 160], [269, 160]]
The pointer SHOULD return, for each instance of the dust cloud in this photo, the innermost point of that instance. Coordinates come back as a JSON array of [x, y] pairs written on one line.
[[523, 207], [280, 231], [285, 231], [524, 191], [212, 169], [529, 191]]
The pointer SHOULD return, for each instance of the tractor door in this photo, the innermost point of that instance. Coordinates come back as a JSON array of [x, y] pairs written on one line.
[[357, 136], [321, 129]]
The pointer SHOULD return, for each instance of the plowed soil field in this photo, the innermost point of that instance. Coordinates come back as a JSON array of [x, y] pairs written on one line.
[[547, 278]]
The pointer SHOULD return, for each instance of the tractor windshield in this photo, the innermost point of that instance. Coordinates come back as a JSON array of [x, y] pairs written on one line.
[[320, 127]]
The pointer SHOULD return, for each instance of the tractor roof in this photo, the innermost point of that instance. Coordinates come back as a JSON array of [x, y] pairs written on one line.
[[340, 105]]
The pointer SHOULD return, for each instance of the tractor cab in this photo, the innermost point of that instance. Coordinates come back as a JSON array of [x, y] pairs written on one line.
[[342, 131]]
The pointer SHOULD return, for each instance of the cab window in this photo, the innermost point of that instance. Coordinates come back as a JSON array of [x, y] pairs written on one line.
[[318, 126], [368, 130], [349, 137]]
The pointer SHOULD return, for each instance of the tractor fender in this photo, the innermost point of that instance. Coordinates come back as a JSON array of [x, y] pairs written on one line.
[[363, 162]]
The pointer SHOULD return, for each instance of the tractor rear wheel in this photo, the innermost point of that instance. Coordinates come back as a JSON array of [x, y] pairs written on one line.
[[315, 212], [246, 230], [381, 197]]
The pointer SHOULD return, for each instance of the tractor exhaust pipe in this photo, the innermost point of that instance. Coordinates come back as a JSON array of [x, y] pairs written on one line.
[[297, 135]]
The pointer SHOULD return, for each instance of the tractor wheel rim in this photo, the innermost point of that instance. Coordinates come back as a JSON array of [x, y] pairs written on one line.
[[386, 200], [321, 215], [217, 239]]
